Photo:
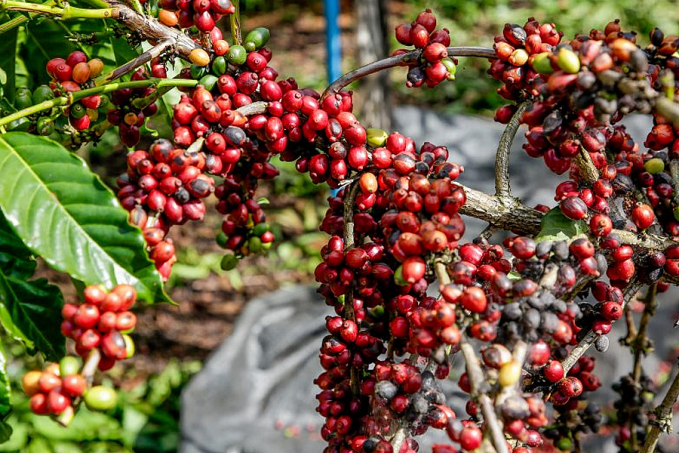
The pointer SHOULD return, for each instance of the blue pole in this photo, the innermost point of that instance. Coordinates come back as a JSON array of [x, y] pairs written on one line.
[[333, 45], [331, 9]]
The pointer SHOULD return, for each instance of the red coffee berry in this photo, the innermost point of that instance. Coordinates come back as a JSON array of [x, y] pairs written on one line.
[[86, 317], [413, 269], [600, 225], [574, 208], [553, 371], [643, 216], [471, 438], [74, 385], [570, 387], [474, 299]]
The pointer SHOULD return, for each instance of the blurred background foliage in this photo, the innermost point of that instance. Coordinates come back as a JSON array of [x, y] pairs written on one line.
[[172, 341], [475, 22]]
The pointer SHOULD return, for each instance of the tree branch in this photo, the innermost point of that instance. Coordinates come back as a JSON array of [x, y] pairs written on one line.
[[521, 219], [401, 60], [674, 171], [77, 95], [63, 13], [502, 182], [130, 66], [476, 377], [151, 29], [511, 215]]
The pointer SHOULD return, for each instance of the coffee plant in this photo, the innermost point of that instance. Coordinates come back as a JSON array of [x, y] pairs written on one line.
[[522, 312]]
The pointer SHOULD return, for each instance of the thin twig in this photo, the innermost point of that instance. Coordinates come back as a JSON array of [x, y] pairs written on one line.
[[255, 108], [151, 29], [476, 378], [70, 98], [349, 202], [588, 171], [582, 347], [502, 182], [63, 13], [234, 21], [667, 109], [130, 66], [640, 339], [631, 327], [674, 171], [398, 439], [91, 365], [663, 422], [401, 60]]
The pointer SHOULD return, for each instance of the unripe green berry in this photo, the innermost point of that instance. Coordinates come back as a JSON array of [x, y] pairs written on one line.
[[542, 64], [376, 137], [69, 365], [654, 165], [229, 262], [568, 60], [100, 398]]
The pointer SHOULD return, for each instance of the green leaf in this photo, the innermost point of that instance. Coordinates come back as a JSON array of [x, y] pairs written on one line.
[[557, 227], [29, 311], [65, 214], [8, 50], [27, 308], [5, 432], [5, 398]]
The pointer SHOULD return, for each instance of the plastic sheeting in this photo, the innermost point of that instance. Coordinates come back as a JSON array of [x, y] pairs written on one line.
[[255, 393]]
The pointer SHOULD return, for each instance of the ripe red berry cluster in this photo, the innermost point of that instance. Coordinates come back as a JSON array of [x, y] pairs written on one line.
[[434, 66], [59, 389], [203, 14], [73, 74], [102, 321], [128, 114], [53, 390], [163, 187]]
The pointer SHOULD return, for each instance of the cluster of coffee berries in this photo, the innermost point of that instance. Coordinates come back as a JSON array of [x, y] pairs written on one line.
[[59, 388], [396, 227], [44, 124], [434, 65], [573, 419], [632, 409], [518, 50], [244, 228], [71, 75], [384, 281], [164, 186], [203, 14], [51, 391], [132, 107], [102, 321]]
